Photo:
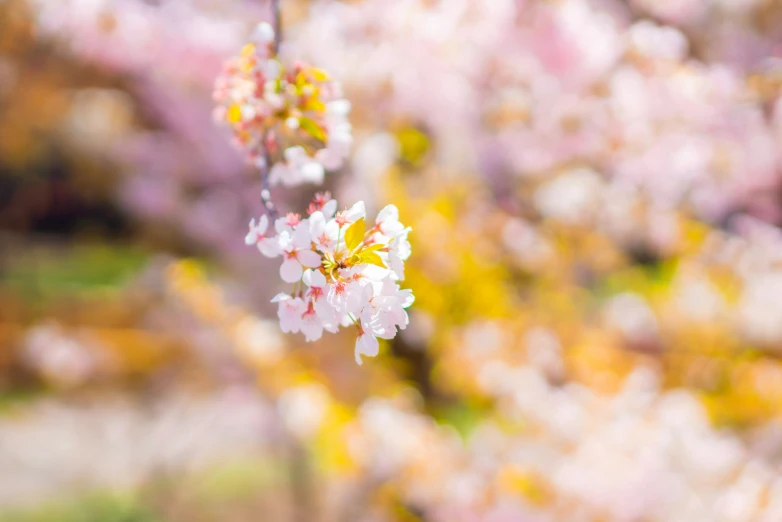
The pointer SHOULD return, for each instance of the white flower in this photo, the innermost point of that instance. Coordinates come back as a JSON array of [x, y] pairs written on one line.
[[399, 251], [263, 33], [290, 311], [297, 253], [290, 118], [317, 295], [387, 221], [340, 138], [324, 233], [351, 215], [322, 202], [345, 293], [390, 231], [296, 168], [267, 245], [366, 344], [347, 271], [385, 311], [311, 325]]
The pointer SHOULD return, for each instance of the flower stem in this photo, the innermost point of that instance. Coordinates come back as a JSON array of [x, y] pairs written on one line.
[[266, 196]]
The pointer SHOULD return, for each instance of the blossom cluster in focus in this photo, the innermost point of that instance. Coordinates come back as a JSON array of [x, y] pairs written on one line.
[[291, 119], [344, 272]]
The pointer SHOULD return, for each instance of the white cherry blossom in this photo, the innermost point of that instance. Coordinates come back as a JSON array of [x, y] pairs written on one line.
[[297, 168], [343, 275], [297, 254], [324, 234], [288, 117], [387, 221], [290, 312], [317, 295], [366, 344], [351, 215], [258, 235], [345, 293], [398, 251]]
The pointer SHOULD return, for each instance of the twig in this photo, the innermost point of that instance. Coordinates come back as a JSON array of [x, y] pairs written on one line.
[[266, 195], [277, 25]]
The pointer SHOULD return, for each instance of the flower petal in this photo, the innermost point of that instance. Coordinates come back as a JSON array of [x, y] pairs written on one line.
[[309, 258], [282, 296], [301, 236], [312, 328], [252, 235], [330, 208], [367, 345], [314, 278], [356, 212], [290, 270], [389, 213], [269, 247], [263, 224], [312, 172], [317, 224]]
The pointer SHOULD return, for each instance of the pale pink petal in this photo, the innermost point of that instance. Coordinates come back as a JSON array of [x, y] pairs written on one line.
[[290, 270], [314, 278], [356, 212], [317, 224], [252, 235], [281, 225], [269, 247], [312, 172], [282, 296], [301, 236], [309, 258], [389, 212], [311, 327], [366, 345], [330, 208], [263, 224]]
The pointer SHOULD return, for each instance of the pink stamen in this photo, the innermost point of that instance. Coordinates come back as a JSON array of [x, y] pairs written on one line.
[[310, 311]]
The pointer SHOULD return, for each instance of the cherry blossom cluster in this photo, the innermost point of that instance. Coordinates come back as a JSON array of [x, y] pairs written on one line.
[[290, 119], [344, 272]]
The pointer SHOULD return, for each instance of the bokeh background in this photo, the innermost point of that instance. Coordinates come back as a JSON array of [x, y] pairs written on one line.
[[594, 190]]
